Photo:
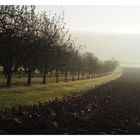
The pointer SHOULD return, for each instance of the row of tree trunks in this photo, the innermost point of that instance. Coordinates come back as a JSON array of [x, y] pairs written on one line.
[[8, 75]]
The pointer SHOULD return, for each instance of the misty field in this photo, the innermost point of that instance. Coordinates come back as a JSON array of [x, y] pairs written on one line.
[[111, 108]]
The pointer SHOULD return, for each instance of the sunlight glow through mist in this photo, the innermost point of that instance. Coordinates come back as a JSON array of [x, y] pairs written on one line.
[[108, 31]]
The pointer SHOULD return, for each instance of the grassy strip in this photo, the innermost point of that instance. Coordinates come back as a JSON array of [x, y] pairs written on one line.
[[22, 95]]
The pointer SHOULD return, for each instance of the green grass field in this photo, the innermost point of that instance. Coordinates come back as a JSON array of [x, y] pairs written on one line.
[[24, 95]]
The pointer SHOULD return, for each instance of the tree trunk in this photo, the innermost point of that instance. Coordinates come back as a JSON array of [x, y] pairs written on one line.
[[78, 75], [89, 75], [62, 73], [19, 74], [25, 71], [5, 75], [66, 75], [92, 75], [33, 73], [83, 76], [4, 72], [9, 77], [44, 76], [29, 81], [86, 75], [73, 76], [56, 76]]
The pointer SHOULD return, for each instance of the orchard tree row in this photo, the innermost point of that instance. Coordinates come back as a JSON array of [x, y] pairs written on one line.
[[31, 41]]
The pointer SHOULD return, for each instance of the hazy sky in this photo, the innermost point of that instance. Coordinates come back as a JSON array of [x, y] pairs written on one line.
[[108, 31]]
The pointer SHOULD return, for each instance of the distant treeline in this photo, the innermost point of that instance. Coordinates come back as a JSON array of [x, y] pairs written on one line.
[[31, 41]]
